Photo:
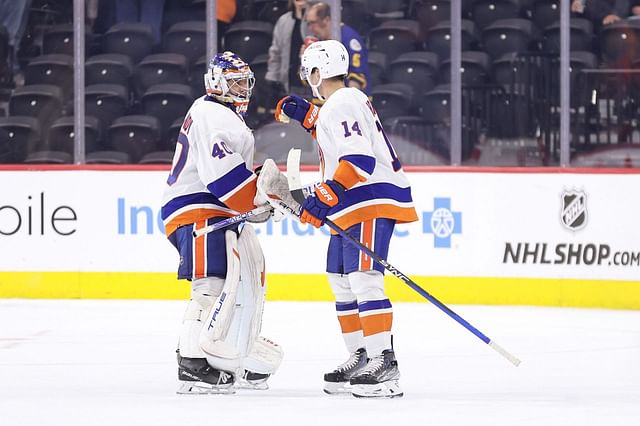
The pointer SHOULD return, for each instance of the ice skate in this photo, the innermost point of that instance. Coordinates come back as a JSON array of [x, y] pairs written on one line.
[[196, 376], [379, 379], [338, 380], [253, 381]]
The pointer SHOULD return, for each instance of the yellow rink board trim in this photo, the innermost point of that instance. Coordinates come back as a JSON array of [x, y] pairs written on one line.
[[314, 287]]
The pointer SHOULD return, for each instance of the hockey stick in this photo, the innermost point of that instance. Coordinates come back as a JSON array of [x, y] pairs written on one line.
[[232, 220], [298, 194]]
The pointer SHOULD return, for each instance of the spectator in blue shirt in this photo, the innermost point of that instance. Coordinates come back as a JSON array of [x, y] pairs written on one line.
[[318, 19]]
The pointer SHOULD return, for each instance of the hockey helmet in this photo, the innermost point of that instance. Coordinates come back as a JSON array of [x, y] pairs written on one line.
[[329, 57], [230, 80]]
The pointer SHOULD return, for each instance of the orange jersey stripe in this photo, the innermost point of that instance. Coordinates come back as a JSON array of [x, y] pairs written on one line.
[[346, 175], [389, 211], [373, 324], [193, 216], [366, 238], [200, 251], [349, 323], [242, 200]]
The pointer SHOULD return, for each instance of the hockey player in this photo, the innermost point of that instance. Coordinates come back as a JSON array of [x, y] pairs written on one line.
[[210, 180], [365, 192]]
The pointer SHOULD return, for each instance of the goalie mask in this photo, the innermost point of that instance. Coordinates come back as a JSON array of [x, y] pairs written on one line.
[[230, 80], [329, 57]]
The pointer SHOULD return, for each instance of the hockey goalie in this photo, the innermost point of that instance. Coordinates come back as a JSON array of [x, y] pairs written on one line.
[[211, 179]]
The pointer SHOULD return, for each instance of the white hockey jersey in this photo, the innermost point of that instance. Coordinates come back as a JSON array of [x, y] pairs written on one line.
[[355, 151], [211, 173]]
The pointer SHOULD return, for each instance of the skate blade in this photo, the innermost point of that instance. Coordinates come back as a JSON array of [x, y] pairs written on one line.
[[251, 386], [389, 389], [333, 388], [201, 388]]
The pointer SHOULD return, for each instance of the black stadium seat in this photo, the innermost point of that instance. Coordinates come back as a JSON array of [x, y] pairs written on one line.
[[274, 140], [545, 12], [435, 105], [196, 75], [49, 157], [248, 39], [438, 38], [21, 136], [356, 14], [157, 157], [167, 102], [581, 37], [485, 12], [61, 135], [392, 100], [187, 38], [55, 69], [59, 39], [108, 157], [160, 68], [395, 37], [132, 39], [430, 12], [475, 68], [418, 69], [270, 10], [377, 62], [106, 102], [135, 135], [508, 35], [108, 68], [41, 101]]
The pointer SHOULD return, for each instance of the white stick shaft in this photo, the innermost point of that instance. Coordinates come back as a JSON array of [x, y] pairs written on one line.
[[502, 351]]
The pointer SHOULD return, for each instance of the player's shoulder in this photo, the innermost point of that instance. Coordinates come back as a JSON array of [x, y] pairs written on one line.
[[344, 101]]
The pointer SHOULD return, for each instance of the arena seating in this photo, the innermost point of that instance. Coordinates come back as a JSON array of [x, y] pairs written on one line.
[[141, 86]]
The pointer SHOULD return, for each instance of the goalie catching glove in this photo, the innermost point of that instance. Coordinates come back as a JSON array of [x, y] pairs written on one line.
[[299, 109], [326, 196]]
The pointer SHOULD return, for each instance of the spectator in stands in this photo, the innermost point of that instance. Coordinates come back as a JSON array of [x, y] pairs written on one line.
[[635, 9], [602, 12], [284, 53], [225, 12], [144, 11], [13, 16], [318, 19]]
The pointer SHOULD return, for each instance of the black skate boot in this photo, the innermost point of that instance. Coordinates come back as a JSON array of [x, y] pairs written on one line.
[[379, 378], [338, 380], [195, 375]]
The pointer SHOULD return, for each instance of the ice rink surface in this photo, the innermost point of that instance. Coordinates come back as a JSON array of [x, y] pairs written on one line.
[[79, 362]]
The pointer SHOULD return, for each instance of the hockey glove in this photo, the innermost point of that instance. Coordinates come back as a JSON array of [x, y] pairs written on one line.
[[316, 208], [298, 109]]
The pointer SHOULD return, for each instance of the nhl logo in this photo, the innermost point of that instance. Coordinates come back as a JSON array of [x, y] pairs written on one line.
[[574, 210]]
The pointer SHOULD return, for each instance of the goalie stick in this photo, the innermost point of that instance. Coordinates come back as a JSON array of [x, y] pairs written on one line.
[[299, 193], [232, 220]]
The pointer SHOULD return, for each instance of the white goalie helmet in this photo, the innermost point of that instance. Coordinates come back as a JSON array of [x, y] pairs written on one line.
[[331, 59], [230, 80]]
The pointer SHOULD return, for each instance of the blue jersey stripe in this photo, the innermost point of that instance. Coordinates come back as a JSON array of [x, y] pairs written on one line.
[[374, 305], [185, 200], [363, 162], [346, 306], [220, 187]]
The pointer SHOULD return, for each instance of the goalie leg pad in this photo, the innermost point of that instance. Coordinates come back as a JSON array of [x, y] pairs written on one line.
[[203, 293], [230, 336]]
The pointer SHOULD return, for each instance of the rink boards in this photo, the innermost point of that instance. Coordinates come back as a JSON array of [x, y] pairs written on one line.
[[486, 236]]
